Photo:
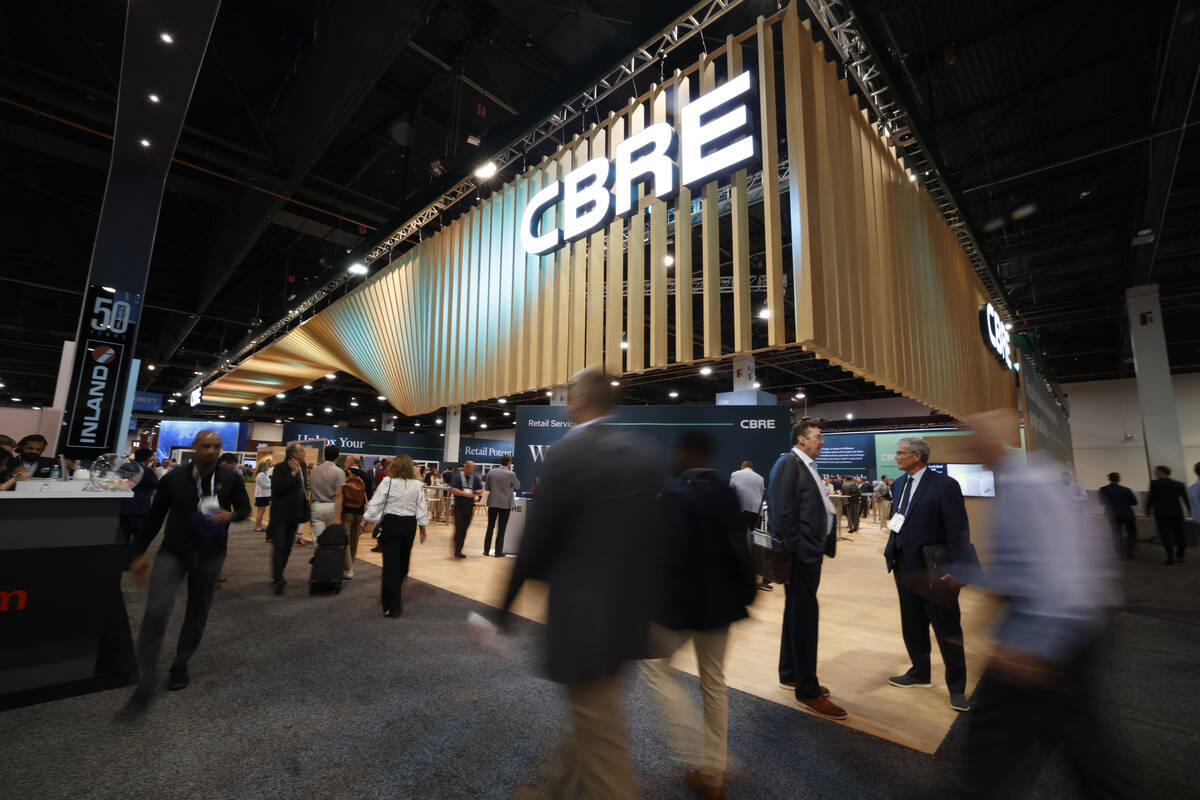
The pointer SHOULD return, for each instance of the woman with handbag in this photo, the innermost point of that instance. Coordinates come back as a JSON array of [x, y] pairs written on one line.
[[398, 508]]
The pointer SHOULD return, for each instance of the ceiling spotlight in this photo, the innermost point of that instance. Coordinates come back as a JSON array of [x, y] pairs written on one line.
[[308, 386], [328, 410], [614, 383], [144, 142], [244, 408], [706, 370], [417, 424], [196, 372], [849, 415], [332, 376], [473, 140], [486, 171], [381, 397], [357, 268], [37, 408], [1008, 326], [260, 402], [278, 421], [624, 345], [437, 168], [502, 400], [549, 394], [354, 404], [483, 425], [757, 385], [438, 421], [668, 260], [673, 394], [372, 419], [281, 395], [111, 290], [442, 435], [912, 177], [764, 313], [473, 418], [171, 400], [167, 38], [153, 98], [151, 367], [16, 399], [801, 395], [220, 416], [507, 414], [308, 413]]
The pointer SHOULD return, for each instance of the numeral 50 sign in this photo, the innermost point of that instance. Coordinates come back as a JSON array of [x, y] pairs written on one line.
[[112, 315]]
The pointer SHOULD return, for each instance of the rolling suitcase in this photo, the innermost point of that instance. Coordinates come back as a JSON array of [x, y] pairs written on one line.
[[329, 561]]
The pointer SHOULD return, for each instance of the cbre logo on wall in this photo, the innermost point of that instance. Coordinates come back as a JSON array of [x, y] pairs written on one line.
[[716, 136], [995, 334]]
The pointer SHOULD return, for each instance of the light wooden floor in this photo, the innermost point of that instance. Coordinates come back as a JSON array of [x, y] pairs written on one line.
[[860, 643]]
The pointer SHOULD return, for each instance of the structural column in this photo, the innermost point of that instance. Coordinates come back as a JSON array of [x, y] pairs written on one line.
[[1160, 422], [743, 373], [453, 424]]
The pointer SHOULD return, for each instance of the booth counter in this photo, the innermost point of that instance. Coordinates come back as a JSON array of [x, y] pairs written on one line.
[[63, 626]]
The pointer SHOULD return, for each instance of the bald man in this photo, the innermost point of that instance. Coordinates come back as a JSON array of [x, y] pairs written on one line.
[[197, 502], [466, 488]]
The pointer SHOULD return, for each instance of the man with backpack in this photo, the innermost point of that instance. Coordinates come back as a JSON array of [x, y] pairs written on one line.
[[707, 582], [355, 493]]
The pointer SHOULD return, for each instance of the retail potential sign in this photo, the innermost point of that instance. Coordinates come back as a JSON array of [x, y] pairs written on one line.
[[717, 135], [488, 451], [739, 433]]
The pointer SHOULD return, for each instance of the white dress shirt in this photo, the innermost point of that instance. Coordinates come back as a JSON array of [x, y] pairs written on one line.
[[404, 498], [812, 468], [910, 489]]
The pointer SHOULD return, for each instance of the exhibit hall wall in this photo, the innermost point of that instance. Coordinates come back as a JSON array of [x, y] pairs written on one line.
[[875, 280], [1106, 431]]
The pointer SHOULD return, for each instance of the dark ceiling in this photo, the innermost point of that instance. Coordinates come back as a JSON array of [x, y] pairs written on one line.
[[1052, 121]]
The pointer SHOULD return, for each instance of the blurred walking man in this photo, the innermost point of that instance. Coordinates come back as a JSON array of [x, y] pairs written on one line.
[[586, 536]]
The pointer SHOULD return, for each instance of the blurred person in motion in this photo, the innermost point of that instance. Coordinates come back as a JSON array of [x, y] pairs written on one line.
[[1193, 493], [1039, 687], [1166, 503], [1119, 503], [501, 484], [11, 471], [707, 582], [262, 494], [750, 488], [586, 536], [928, 509], [289, 510], [197, 503], [398, 508], [802, 516], [134, 509]]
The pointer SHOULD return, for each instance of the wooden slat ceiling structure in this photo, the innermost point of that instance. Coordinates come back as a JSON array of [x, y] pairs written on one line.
[[878, 284]]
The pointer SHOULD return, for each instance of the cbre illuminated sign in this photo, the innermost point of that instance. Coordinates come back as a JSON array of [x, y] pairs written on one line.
[[716, 136], [995, 334]]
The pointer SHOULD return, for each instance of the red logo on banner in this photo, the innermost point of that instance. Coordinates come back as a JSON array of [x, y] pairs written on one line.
[[1146, 318], [103, 354]]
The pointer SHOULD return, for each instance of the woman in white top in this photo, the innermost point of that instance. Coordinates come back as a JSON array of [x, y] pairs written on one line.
[[262, 492], [398, 507]]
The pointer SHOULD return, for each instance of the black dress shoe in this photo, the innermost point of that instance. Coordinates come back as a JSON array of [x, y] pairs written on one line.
[[179, 679], [459, 555], [277, 586]]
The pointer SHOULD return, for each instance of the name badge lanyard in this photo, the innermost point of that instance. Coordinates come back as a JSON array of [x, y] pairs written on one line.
[[212, 487]]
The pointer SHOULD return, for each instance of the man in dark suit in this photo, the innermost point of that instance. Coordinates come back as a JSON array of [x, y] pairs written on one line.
[[289, 509], [853, 501], [1119, 503], [1167, 502], [801, 516], [927, 509], [590, 546], [197, 502]]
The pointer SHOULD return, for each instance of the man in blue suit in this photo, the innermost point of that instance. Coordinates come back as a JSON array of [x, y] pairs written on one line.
[[928, 508]]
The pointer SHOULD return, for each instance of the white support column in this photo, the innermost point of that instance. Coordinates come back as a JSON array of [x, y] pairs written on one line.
[[135, 368], [743, 373], [1160, 422], [453, 424]]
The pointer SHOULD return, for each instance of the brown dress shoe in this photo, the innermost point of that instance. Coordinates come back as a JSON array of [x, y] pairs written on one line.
[[790, 686], [702, 788], [822, 707]]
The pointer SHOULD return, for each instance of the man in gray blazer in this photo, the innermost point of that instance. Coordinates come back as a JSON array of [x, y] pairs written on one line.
[[586, 536], [500, 484]]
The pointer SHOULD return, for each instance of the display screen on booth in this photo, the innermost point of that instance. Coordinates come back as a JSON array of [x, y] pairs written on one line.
[[716, 136]]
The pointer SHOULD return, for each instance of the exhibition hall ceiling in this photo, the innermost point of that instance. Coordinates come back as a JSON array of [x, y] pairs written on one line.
[[1041, 114]]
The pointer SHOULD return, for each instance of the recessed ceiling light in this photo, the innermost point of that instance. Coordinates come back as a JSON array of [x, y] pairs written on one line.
[[244, 408], [372, 419], [153, 98], [37, 408], [438, 420], [912, 178], [615, 383], [220, 416], [281, 395], [332, 376], [111, 290], [308, 386], [167, 38], [151, 367], [354, 404], [764, 313], [673, 394], [624, 345], [170, 399], [260, 402], [144, 142], [381, 397], [417, 424], [196, 372], [757, 385], [507, 414], [442, 435], [16, 399], [502, 400], [483, 425], [668, 260], [1008, 326], [849, 415], [473, 418], [308, 413], [706, 370], [801, 395], [278, 421], [549, 394], [328, 410]]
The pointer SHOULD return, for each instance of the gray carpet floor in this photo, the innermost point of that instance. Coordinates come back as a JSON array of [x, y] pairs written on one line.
[[305, 696]]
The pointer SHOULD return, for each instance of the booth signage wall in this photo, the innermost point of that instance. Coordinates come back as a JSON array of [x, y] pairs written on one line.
[[421, 446], [848, 454], [485, 450], [173, 433], [739, 433], [877, 283]]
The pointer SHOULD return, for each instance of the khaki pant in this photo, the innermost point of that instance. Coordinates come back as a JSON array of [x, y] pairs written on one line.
[[322, 518], [352, 522], [705, 749], [602, 764]]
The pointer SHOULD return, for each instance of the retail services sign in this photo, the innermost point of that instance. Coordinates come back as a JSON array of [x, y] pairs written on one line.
[[717, 135], [996, 335], [107, 334]]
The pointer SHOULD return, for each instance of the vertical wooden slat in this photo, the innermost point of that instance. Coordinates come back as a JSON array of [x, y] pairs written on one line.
[[739, 220], [772, 223], [803, 186], [635, 301], [710, 240], [657, 269], [614, 296], [508, 334], [579, 285], [562, 277], [595, 276], [519, 312], [683, 245], [477, 329], [533, 330], [839, 330]]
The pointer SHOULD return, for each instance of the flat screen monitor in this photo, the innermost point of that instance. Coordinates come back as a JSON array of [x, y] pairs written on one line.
[[974, 479]]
